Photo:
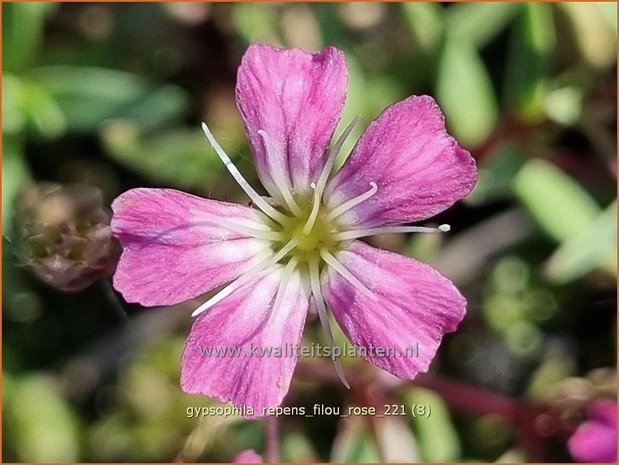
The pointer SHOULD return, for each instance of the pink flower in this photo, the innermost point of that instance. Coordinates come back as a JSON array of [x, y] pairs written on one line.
[[596, 439], [299, 246]]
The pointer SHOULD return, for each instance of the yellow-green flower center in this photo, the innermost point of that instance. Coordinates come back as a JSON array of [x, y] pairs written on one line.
[[310, 239]]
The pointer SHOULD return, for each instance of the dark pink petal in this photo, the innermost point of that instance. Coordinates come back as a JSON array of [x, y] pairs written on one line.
[[297, 99], [176, 246], [596, 439], [247, 322], [419, 169], [415, 307]]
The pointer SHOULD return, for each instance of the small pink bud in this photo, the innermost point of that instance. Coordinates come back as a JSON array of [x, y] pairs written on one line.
[[63, 235]]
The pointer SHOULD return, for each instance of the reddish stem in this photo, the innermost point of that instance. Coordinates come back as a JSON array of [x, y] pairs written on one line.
[[460, 396], [272, 439]]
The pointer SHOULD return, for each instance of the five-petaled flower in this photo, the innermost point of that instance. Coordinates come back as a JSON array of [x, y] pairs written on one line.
[[299, 246]]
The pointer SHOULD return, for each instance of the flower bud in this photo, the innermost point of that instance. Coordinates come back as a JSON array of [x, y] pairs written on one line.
[[63, 235]]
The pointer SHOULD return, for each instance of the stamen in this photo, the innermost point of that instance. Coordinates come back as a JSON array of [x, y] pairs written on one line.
[[332, 155], [309, 224], [255, 230], [266, 235], [250, 274], [356, 233], [347, 275], [314, 275], [279, 182], [319, 186], [283, 285], [343, 208], [238, 177], [270, 200]]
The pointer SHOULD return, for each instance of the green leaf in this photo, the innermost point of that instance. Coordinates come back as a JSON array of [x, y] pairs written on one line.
[[465, 92], [43, 113], [379, 92], [543, 384], [564, 105], [479, 23], [436, 434], [559, 205], [593, 34], [354, 443], [13, 117], [89, 96], [159, 106], [255, 22], [356, 104], [22, 30], [27, 104], [15, 173], [43, 425], [532, 41], [180, 158], [595, 247], [425, 21], [424, 247], [496, 175], [296, 447]]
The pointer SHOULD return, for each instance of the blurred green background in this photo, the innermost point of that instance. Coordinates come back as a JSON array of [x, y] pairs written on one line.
[[111, 95]]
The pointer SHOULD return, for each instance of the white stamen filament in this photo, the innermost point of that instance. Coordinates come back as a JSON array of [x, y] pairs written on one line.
[[343, 208], [238, 177], [309, 224], [314, 275], [347, 275], [279, 182], [283, 285], [356, 233], [270, 200], [319, 186], [266, 235], [270, 260], [255, 230]]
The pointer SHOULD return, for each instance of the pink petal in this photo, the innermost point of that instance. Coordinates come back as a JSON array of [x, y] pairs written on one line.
[[604, 411], [297, 99], [175, 247], [415, 304], [420, 170], [244, 321], [247, 456], [596, 439]]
